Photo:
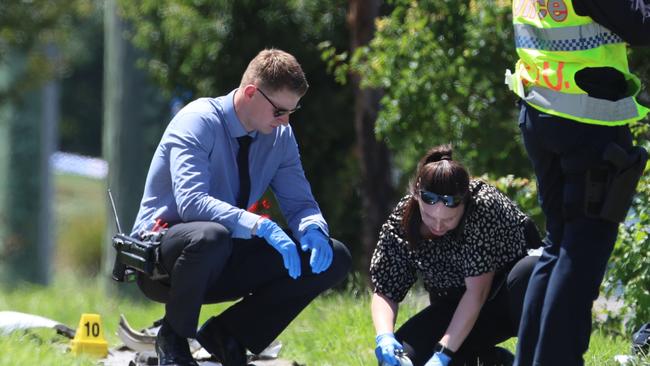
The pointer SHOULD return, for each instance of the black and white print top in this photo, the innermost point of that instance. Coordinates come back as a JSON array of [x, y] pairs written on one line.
[[490, 235]]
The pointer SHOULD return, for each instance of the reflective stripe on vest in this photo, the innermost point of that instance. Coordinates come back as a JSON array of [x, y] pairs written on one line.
[[554, 44], [581, 37], [583, 107]]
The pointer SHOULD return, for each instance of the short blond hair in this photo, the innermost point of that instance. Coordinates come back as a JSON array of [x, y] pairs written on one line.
[[275, 70]]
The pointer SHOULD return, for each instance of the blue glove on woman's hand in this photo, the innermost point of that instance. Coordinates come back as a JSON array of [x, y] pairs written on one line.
[[438, 359], [386, 346], [279, 240], [321, 250]]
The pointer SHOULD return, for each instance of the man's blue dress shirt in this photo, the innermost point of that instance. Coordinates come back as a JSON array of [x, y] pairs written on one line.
[[193, 174]]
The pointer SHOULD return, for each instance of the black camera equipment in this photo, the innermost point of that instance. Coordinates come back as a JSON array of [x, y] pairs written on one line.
[[135, 255]]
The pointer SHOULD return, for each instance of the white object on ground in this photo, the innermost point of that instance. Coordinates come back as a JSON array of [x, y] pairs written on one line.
[[12, 320], [623, 359]]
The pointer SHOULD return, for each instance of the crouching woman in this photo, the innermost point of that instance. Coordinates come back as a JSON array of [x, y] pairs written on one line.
[[468, 243]]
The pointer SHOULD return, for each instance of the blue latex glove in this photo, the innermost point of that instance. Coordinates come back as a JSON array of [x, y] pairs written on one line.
[[386, 346], [321, 250], [438, 359], [279, 240]]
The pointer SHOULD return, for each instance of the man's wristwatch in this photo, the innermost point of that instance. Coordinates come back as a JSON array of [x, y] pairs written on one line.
[[444, 350]]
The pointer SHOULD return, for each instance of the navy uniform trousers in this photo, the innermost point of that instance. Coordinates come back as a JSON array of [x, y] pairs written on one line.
[[208, 266], [556, 320]]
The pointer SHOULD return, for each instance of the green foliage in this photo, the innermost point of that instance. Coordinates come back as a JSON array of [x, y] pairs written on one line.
[[441, 65], [203, 46], [30, 28], [44, 39]]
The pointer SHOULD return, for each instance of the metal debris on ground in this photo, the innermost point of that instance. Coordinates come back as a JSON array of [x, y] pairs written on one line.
[[138, 350]]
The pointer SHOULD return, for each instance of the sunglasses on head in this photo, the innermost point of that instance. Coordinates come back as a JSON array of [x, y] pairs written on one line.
[[431, 198], [277, 112]]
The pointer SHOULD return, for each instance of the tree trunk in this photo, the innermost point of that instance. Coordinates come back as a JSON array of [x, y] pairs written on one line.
[[27, 137], [374, 157]]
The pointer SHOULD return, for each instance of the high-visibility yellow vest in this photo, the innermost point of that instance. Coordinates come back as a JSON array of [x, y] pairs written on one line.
[[553, 44]]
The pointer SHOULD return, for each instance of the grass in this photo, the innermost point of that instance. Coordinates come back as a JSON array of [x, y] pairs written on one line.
[[334, 330], [80, 215]]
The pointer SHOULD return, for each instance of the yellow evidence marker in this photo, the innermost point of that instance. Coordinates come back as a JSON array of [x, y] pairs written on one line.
[[89, 337]]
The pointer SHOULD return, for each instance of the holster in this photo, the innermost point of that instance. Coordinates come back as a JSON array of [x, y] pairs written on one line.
[[610, 185]]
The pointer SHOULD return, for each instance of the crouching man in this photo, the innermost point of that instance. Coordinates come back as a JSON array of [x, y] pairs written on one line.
[[217, 157]]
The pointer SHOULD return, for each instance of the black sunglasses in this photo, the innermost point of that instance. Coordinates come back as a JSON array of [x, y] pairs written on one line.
[[431, 198], [277, 112]]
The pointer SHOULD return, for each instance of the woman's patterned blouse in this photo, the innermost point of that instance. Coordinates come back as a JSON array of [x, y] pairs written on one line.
[[489, 236]]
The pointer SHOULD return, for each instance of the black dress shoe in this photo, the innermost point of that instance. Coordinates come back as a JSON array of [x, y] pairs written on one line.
[[172, 349], [221, 345]]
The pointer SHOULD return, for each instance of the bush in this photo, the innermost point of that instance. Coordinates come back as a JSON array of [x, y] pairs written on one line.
[[524, 192]]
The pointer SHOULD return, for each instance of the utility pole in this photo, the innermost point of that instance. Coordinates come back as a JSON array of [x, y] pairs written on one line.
[[131, 106]]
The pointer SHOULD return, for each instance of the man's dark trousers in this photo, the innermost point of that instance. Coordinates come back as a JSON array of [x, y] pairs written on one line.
[[556, 321], [207, 266]]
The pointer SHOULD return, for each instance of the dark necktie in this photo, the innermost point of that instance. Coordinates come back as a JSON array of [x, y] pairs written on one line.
[[242, 165]]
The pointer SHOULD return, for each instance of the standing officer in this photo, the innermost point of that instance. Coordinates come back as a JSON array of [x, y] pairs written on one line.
[[217, 156], [577, 99]]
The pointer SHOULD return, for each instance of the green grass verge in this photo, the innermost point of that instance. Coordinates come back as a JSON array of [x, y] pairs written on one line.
[[334, 330]]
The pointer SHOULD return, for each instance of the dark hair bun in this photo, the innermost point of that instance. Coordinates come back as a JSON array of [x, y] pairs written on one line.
[[442, 152]]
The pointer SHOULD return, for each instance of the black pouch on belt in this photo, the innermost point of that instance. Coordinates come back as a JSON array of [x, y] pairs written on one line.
[[610, 185]]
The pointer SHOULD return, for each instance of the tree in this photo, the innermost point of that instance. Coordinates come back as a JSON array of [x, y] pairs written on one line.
[[27, 27], [441, 64], [35, 47], [374, 157]]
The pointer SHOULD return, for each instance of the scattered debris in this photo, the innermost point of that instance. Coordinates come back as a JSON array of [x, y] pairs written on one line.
[[11, 321], [138, 346], [140, 341], [138, 349]]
